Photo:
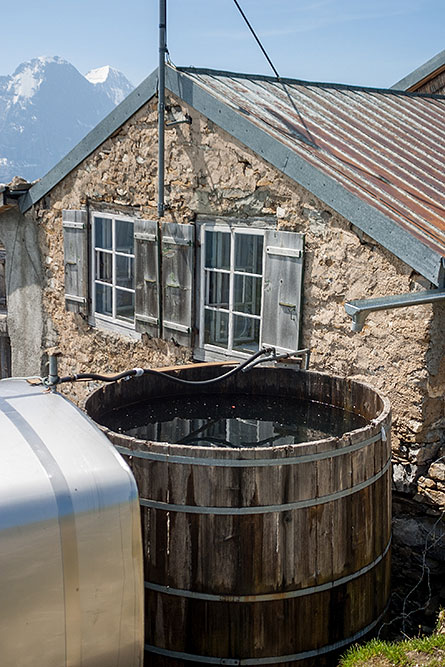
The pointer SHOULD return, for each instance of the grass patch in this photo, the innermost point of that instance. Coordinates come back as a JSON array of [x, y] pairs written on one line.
[[428, 650]]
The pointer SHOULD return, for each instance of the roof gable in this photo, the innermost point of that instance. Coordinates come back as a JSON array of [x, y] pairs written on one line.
[[423, 74], [374, 156]]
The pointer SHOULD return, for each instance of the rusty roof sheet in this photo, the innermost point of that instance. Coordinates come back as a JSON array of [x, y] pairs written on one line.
[[386, 148]]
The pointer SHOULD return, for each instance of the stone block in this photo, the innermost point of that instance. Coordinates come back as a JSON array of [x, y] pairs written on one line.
[[431, 496], [437, 471], [424, 454], [425, 482], [405, 477]]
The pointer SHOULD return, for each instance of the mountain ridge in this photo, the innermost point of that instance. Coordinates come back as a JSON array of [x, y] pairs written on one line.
[[46, 107]]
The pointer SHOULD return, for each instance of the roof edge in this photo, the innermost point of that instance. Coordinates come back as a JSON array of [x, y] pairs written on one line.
[[115, 119], [400, 242], [302, 82], [422, 72]]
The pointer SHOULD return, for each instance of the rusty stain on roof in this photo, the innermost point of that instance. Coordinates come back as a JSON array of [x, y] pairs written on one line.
[[387, 148]]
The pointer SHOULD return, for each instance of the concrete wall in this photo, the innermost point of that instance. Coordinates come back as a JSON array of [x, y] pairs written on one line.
[[400, 352], [25, 322]]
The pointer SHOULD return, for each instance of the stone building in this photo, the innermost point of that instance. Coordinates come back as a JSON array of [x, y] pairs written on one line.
[[284, 200]]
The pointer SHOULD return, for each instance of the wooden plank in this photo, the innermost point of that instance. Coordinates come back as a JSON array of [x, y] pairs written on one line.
[[204, 364]]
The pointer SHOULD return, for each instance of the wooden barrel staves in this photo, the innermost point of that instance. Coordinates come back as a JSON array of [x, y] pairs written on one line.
[[264, 555]]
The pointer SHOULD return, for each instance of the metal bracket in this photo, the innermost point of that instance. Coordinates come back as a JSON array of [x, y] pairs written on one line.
[[187, 119], [74, 297], [359, 309], [284, 252]]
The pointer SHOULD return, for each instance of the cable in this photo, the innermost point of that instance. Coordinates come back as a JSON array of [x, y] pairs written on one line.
[[149, 371], [257, 39]]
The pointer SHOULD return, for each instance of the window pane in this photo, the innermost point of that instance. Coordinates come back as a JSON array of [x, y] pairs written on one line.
[[124, 305], [216, 328], [124, 271], [104, 300], [124, 236], [246, 334], [217, 289], [102, 233], [217, 245], [247, 296], [104, 266], [249, 253]]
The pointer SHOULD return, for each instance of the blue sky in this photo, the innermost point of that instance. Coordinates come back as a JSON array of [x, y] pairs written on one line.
[[349, 41]]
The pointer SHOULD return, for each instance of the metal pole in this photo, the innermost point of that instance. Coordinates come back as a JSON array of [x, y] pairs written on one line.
[[161, 150], [53, 372], [161, 102]]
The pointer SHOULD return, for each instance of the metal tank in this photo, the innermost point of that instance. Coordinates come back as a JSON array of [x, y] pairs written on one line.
[[71, 581]]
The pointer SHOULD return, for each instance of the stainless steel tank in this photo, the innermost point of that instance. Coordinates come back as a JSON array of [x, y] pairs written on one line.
[[71, 583]]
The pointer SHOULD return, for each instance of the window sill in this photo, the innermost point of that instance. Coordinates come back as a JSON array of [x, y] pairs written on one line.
[[114, 327], [204, 354]]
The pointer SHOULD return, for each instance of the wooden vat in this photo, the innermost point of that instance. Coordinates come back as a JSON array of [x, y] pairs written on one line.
[[272, 555]]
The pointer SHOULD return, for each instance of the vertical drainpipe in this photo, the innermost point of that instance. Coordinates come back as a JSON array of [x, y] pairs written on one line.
[[161, 150]]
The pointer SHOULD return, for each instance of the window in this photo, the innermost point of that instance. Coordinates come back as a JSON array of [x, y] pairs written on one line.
[[232, 278], [227, 289], [249, 290], [113, 292]]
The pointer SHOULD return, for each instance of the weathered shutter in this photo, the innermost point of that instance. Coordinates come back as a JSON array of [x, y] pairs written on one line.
[[282, 288], [75, 247], [146, 276], [178, 274]]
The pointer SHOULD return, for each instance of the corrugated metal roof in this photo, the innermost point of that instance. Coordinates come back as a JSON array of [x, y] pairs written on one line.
[[386, 148]]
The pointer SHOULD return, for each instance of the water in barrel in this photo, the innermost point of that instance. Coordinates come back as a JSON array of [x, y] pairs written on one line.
[[238, 420]]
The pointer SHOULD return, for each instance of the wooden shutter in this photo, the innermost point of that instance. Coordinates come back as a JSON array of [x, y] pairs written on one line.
[[178, 275], [282, 289], [146, 276], [75, 247]]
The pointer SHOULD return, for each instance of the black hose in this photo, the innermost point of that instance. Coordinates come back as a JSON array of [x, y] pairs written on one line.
[[150, 371]]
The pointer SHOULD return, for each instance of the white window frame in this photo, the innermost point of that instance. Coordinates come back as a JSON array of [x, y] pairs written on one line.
[[213, 351], [112, 323]]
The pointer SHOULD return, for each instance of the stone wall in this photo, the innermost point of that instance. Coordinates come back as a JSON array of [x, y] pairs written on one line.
[[208, 173]]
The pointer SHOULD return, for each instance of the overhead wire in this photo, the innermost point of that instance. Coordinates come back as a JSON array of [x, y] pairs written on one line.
[[257, 39], [314, 144]]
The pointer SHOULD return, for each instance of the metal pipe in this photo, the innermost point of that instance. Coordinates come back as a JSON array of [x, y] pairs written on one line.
[[53, 377], [161, 103], [359, 309], [160, 279]]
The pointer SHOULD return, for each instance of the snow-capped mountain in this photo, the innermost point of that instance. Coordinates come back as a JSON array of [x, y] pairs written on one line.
[[46, 107], [111, 81]]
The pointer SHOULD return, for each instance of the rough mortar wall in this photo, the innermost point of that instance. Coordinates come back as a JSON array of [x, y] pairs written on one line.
[[25, 323], [209, 173]]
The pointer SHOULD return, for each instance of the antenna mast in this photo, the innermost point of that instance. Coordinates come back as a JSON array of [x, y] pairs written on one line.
[[161, 103]]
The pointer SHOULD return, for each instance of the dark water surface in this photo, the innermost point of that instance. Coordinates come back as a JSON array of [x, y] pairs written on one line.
[[232, 421]]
